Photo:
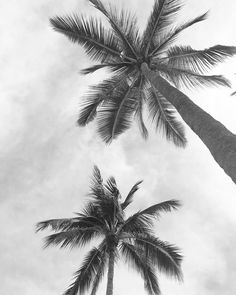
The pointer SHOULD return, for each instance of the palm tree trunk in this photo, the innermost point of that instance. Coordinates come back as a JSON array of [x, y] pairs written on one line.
[[110, 273], [218, 139]]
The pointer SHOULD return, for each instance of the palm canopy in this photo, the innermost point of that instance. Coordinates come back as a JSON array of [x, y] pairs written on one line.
[[122, 50], [132, 237]]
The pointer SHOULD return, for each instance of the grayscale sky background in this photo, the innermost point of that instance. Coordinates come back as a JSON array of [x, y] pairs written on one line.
[[46, 161]]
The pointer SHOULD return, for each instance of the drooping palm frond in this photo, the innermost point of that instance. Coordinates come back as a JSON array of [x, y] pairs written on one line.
[[160, 18], [99, 93], [166, 256], [187, 78], [88, 271], [130, 195], [142, 265], [99, 43], [163, 114], [124, 26], [198, 61], [100, 273], [115, 116], [167, 37], [56, 224], [73, 238], [113, 67], [139, 117]]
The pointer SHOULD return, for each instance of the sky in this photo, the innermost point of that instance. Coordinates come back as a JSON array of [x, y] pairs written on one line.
[[46, 160]]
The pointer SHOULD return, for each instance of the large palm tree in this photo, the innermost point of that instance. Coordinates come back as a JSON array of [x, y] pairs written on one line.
[[148, 69], [104, 218]]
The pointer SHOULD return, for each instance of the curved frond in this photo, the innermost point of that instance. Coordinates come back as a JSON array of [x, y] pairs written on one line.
[[99, 273], [73, 238], [166, 38], [88, 271], [166, 256], [187, 78], [139, 117], [136, 223], [96, 189], [97, 177], [115, 115], [99, 44], [111, 186], [155, 210], [163, 114], [124, 26], [142, 266], [198, 61], [161, 17], [141, 222], [113, 67], [96, 95], [56, 224], [130, 195]]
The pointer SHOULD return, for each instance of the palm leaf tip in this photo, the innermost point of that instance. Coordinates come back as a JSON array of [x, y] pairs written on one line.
[[130, 195]]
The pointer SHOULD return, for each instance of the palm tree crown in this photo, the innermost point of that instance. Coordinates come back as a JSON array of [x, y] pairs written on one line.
[[123, 50], [104, 217]]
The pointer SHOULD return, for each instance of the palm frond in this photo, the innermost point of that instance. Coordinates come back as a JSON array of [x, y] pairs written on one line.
[[56, 224], [155, 210], [142, 266], [130, 195], [99, 93], [166, 256], [114, 116], [97, 177], [99, 273], [99, 44], [111, 186], [198, 61], [87, 272], [136, 223], [161, 17], [166, 38], [113, 67], [73, 238], [139, 117], [124, 26], [141, 221], [187, 78], [96, 187], [163, 114]]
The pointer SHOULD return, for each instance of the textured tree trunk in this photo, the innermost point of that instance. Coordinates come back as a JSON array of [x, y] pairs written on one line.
[[110, 274], [218, 139]]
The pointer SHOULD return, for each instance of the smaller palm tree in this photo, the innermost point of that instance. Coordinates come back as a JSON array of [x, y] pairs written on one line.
[[104, 217]]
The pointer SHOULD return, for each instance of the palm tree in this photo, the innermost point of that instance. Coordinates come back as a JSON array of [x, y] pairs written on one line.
[[104, 217], [147, 70]]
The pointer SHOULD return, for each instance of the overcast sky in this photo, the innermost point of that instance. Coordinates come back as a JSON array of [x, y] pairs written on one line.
[[46, 160]]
